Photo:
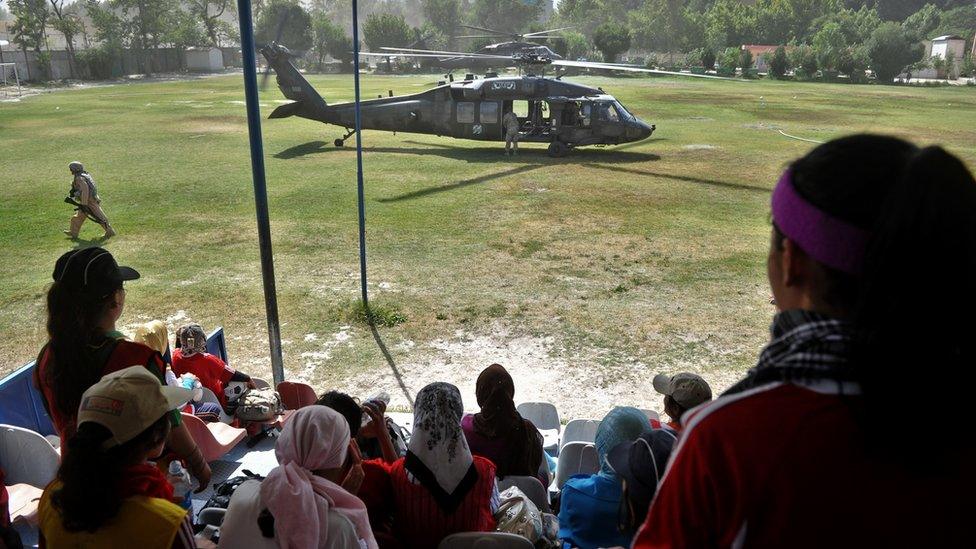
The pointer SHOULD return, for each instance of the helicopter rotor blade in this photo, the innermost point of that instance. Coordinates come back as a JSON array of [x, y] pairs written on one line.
[[493, 36], [483, 29], [626, 68], [435, 55], [536, 34], [444, 53]]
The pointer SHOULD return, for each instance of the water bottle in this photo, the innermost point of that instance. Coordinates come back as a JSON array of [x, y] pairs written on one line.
[[381, 396], [180, 479]]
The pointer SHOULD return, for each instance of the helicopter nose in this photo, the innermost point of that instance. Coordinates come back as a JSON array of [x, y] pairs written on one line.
[[641, 130]]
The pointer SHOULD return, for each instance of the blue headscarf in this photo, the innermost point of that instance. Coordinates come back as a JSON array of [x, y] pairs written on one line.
[[622, 424]]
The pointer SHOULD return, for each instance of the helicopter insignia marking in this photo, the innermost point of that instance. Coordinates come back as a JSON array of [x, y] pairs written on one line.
[[476, 129], [503, 85]]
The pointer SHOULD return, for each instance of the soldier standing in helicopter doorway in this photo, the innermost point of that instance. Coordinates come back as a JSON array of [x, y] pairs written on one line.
[[84, 197], [510, 124]]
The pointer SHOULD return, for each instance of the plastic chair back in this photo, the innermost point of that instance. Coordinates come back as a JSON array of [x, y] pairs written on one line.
[[531, 487], [484, 540], [211, 516], [580, 430], [27, 457], [576, 458], [295, 394], [214, 439], [542, 414], [651, 414]]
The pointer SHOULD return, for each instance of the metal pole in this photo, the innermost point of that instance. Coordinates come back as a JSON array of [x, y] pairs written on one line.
[[260, 187], [359, 158]]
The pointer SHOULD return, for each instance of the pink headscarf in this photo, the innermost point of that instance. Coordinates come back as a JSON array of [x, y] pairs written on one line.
[[314, 438]]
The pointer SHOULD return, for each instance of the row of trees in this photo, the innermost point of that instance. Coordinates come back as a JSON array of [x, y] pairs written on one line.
[[141, 25], [829, 35]]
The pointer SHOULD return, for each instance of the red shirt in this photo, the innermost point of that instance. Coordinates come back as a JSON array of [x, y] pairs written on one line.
[[125, 354], [786, 466], [211, 371], [421, 524], [376, 492]]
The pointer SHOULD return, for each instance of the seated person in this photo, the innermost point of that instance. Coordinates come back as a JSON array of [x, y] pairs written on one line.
[[371, 482], [192, 357], [302, 502], [106, 493], [498, 432], [154, 335], [439, 488], [589, 504], [640, 466], [682, 392]]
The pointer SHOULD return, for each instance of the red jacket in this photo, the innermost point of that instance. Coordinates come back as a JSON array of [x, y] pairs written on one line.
[[420, 523]]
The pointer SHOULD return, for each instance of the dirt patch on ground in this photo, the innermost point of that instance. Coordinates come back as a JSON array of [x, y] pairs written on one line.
[[541, 370]]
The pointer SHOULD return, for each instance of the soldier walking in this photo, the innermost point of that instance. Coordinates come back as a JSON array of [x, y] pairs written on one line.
[[88, 205], [510, 124]]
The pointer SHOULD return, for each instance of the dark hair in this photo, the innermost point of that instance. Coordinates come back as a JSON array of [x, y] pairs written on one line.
[[347, 407], [91, 477], [73, 319], [913, 302]]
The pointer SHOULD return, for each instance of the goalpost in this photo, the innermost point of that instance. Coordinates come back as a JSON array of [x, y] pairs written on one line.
[[5, 69]]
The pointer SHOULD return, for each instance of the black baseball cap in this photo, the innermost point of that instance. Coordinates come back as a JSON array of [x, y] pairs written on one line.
[[641, 462], [92, 271]]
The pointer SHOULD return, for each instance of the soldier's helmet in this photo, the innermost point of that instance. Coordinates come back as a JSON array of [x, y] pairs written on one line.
[[76, 167]]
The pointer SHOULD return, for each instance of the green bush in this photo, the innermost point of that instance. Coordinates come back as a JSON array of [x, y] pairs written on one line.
[[891, 49], [99, 62], [778, 62], [729, 59]]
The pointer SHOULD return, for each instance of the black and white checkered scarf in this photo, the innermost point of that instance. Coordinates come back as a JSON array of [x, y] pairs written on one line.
[[806, 347]]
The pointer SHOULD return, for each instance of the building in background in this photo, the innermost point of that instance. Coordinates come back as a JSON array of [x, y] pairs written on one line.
[[939, 51]]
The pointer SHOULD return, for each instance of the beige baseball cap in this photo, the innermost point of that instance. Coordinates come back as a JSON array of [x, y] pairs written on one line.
[[687, 389], [128, 401]]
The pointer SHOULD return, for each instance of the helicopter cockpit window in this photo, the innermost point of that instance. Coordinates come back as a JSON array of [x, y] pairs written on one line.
[[465, 113], [607, 112], [624, 114], [489, 113]]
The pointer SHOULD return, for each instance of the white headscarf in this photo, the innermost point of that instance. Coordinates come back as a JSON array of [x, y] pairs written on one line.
[[438, 456]]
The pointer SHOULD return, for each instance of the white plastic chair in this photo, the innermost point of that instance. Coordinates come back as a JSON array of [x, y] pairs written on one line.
[[531, 487], [484, 540], [576, 458], [212, 516], [651, 414], [545, 417], [27, 457], [580, 430], [260, 383], [209, 396]]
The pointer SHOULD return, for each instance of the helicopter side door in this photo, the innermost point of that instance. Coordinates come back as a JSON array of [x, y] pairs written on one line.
[[609, 121], [477, 120]]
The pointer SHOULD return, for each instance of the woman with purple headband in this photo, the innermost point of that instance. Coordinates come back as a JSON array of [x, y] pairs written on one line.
[[842, 435]]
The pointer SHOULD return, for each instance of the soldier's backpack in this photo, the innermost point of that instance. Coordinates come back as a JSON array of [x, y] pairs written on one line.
[[258, 405], [222, 492]]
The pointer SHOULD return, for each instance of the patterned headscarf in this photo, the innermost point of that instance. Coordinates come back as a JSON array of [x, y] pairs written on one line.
[[622, 424], [193, 339], [438, 456]]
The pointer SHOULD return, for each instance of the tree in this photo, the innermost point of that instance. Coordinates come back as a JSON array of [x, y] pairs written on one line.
[[778, 62], [445, 16], [577, 45], [209, 13], [729, 59], [828, 45], [729, 23], [386, 30], [708, 58], [583, 15], [142, 25], [659, 25], [804, 59], [745, 60], [611, 39], [329, 39], [30, 22], [891, 49], [68, 25], [184, 30], [507, 15], [290, 19], [920, 24]]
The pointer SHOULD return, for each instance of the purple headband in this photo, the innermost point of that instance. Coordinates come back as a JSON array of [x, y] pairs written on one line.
[[831, 241]]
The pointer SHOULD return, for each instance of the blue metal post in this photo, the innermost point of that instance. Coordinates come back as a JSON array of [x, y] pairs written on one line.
[[359, 157], [260, 187]]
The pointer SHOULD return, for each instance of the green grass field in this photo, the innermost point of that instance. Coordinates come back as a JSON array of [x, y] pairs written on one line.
[[585, 275]]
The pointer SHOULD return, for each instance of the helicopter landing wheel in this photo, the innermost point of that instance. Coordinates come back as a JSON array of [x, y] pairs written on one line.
[[558, 149], [339, 142]]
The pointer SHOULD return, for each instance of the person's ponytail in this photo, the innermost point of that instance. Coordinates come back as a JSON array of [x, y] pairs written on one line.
[[72, 323], [916, 307], [91, 476]]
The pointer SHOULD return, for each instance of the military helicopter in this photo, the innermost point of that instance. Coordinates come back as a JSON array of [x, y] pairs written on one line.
[[564, 114], [518, 45]]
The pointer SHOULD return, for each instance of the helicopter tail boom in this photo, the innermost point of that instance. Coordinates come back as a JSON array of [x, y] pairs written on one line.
[[307, 102]]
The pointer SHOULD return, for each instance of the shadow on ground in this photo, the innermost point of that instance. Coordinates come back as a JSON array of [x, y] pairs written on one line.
[[683, 178], [494, 154]]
